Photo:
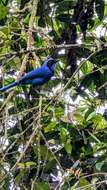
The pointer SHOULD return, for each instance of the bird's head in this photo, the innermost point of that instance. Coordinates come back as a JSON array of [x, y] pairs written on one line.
[[50, 62]]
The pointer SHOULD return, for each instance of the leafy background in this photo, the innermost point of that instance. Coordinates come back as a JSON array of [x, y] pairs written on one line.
[[54, 137]]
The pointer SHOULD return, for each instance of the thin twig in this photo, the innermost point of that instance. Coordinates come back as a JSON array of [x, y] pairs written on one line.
[[102, 86], [39, 128]]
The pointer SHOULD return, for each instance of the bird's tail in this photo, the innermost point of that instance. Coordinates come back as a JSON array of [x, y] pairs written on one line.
[[8, 86]]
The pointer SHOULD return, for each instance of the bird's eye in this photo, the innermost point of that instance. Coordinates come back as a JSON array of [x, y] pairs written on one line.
[[50, 63]]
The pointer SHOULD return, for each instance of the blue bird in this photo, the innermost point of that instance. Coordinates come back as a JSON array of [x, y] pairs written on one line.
[[37, 76]]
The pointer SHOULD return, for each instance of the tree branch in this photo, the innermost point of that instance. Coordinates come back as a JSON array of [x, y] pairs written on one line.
[[55, 47]]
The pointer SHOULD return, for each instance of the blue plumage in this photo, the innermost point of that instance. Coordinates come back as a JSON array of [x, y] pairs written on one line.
[[37, 76]]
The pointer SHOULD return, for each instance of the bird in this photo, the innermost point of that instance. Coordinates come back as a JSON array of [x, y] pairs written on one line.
[[36, 77]]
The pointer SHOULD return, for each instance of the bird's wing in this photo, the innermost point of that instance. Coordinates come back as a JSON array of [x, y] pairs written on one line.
[[39, 72], [38, 81]]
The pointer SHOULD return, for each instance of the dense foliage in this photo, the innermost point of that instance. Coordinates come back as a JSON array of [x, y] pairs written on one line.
[[55, 136]]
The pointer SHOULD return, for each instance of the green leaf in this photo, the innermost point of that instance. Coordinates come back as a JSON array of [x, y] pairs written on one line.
[[50, 127], [21, 165], [30, 164], [50, 164], [99, 121], [88, 112], [90, 116], [19, 177], [99, 166], [5, 30], [26, 164], [73, 188], [63, 134], [44, 152], [68, 146], [3, 11], [59, 111], [87, 67], [26, 20], [38, 40], [56, 25], [84, 183], [87, 80], [79, 117]]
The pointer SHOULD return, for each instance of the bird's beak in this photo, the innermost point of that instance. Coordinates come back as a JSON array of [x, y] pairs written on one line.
[[56, 60]]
